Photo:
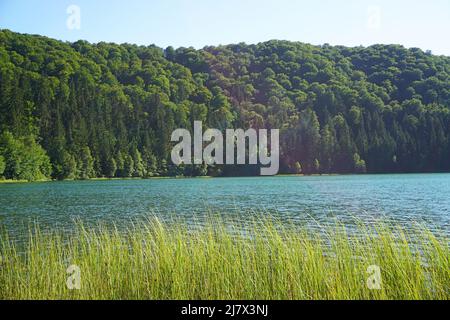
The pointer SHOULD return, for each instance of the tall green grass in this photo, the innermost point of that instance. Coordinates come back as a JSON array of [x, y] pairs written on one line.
[[264, 260]]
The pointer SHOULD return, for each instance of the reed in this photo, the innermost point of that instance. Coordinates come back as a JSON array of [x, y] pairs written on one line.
[[261, 260]]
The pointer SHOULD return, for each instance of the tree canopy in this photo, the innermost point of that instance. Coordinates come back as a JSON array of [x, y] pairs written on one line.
[[81, 110]]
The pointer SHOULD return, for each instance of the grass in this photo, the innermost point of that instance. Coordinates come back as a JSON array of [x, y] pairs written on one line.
[[5, 181], [265, 260]]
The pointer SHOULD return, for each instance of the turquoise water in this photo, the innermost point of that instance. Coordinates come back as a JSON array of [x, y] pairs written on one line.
[[313, 200]]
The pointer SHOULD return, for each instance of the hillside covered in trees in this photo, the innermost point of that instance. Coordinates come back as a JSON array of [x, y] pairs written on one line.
[[81, 110]]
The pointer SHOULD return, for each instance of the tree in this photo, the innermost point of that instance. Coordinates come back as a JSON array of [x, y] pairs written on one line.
[[359, 164], [297, 168], [139, 168], [2, 165], [24, 158], [316, 166], [200, 170], [111, 168], [104, 109], [220, 115], [308, 138], [86, 164], [128, 169], [69, 167]]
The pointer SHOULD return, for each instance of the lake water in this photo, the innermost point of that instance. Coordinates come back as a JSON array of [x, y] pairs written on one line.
[[312, 200]]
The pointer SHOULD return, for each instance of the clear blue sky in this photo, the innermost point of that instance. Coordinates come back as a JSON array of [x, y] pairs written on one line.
[[412, 23]]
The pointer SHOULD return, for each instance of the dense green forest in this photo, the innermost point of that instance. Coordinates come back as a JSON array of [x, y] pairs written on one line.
[[81, 110]]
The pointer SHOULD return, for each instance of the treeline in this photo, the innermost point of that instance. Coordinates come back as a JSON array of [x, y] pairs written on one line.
[[81, 110]]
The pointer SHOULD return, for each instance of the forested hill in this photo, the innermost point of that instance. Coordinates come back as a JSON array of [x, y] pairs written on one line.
[[81, 110]]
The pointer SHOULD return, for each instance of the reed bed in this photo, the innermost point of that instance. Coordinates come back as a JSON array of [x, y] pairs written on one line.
[[261, 260]]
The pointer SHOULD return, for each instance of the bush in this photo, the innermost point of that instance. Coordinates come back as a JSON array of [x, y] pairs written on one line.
[[24, 159]]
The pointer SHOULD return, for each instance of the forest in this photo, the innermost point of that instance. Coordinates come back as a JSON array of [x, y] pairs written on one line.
[[81, 110]]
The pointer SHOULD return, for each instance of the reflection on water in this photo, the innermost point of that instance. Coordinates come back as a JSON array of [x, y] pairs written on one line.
[[312, 200]]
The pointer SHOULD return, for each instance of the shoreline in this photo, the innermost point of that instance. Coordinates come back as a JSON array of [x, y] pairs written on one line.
[[9, 181]]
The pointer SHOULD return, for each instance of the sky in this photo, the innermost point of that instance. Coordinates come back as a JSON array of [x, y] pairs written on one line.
[[197, 23]]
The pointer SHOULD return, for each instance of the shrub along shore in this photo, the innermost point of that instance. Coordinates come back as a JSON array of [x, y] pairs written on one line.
[[218, 260]]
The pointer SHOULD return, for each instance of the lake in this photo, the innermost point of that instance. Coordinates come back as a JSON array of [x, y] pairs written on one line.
[[313, 200]]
